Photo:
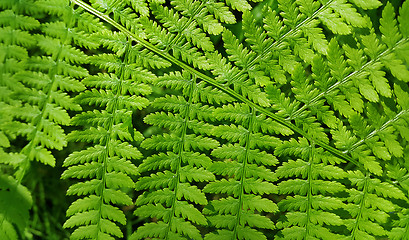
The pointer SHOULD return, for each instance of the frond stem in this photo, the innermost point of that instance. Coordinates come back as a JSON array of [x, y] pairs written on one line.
[[104, 159], [243, 173], [180, 152], [309, 192], [361, 207]]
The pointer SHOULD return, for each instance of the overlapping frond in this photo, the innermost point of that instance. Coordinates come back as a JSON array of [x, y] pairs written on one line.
[[107, 166], [370, 206], [170, 192], [313, 193], [16, 39], [245, 176], [43, 83]]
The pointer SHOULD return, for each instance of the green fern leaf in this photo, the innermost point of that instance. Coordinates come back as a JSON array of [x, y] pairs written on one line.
[[40, 89], [171, 185], [246, 180], [262, 129], [15, 202], [107, 164], [376, 207], [371, 4], [347, 12], [403, 19], [306, 214]]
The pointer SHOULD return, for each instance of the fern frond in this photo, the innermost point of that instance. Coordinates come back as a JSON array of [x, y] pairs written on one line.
[[312, 209], [186, 162], [52, 102], [15, 42], [106, 167], [42, 115], [234, 216], [368, 207]]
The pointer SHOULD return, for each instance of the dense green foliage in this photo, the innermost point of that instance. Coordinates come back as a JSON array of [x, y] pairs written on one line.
[[191, 119]]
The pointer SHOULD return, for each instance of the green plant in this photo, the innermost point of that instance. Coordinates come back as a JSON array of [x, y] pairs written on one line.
[[279, 119]]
